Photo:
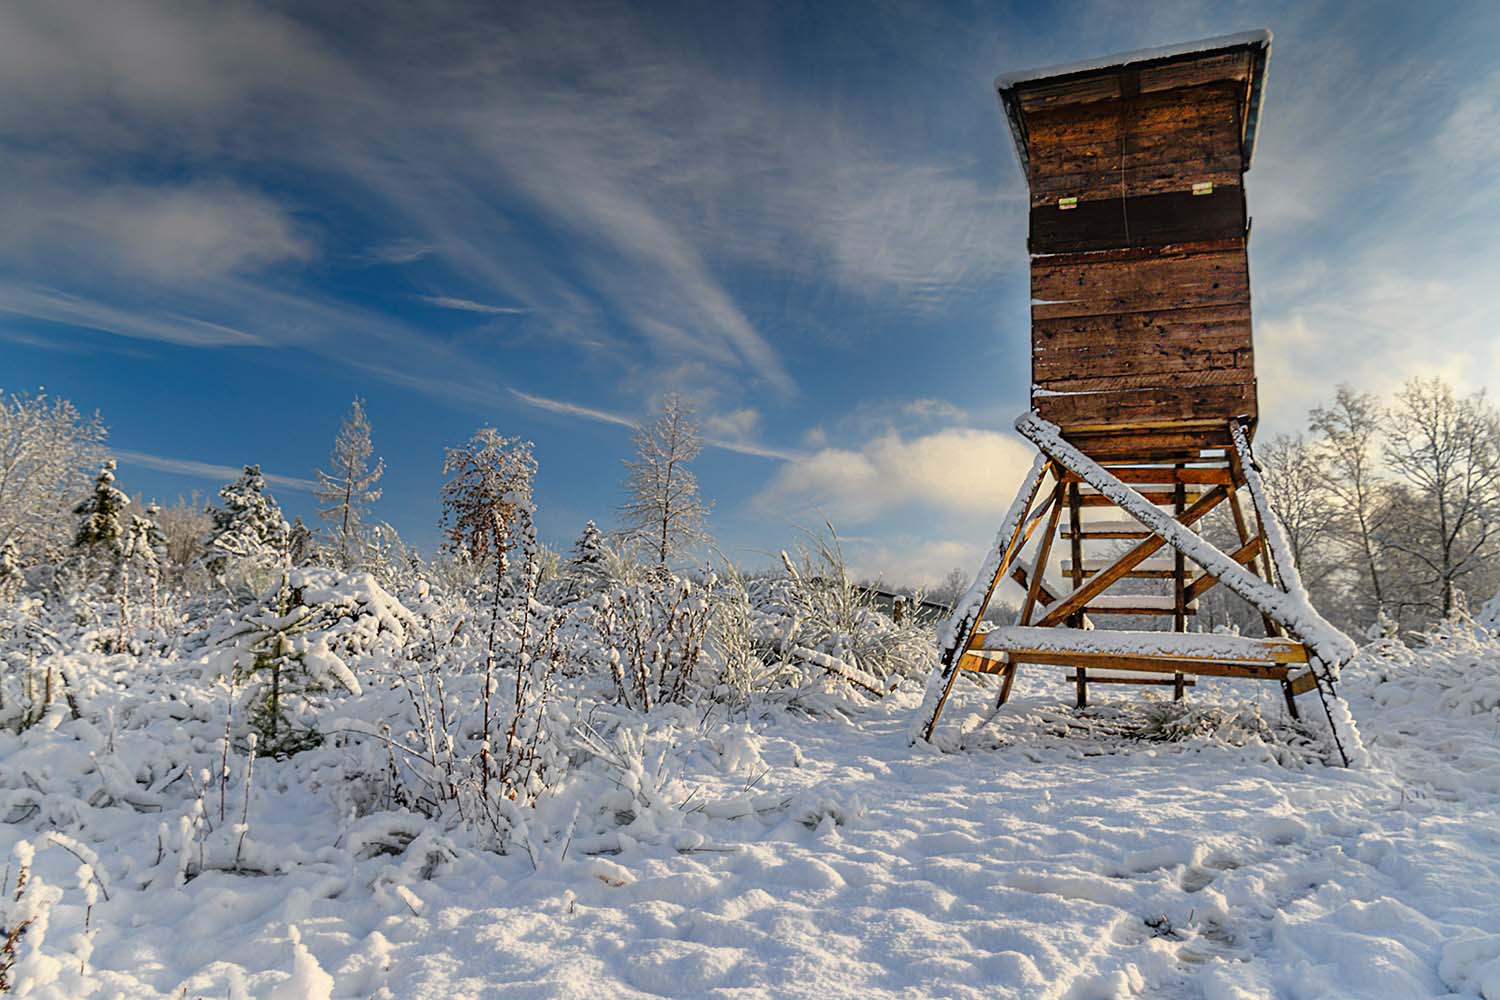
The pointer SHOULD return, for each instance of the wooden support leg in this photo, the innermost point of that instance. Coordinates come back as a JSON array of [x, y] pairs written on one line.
[[966, 626], [1075, 513], [1291, 700], [1005, 683], [1179, 686]]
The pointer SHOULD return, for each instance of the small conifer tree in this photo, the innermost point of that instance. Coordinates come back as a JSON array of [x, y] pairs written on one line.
[[587, 565], [100, 538], [347, 492], [249, 536]]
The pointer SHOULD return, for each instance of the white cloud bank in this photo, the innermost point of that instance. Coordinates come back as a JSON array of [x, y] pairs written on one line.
[[959, 470]]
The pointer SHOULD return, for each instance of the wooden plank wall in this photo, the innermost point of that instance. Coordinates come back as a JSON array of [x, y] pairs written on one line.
[[1140, 288]]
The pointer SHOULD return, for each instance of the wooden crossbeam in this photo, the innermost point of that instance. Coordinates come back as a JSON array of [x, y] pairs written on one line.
[[1079, 599], [1148, 681], [1158, 498], [1132, 604], [1106, 529], [1205, 668], [1164, 475]]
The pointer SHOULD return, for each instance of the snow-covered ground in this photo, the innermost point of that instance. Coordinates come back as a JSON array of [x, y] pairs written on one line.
[[1130, 851]]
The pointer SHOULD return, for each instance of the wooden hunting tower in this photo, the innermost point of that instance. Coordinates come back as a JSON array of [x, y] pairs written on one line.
[[1140, 283], [1143, 395]]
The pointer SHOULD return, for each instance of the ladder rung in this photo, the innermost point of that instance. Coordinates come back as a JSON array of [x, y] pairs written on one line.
[[1138, 604], [1115, 528], [1158, 499]]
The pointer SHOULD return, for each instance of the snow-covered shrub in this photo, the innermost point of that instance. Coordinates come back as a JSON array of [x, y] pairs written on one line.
[[308, 636], [744, 665], [482, 737], [33, 676], [1181, 721], [828, 612], [11, 574], [654, 637], [1452, 669]]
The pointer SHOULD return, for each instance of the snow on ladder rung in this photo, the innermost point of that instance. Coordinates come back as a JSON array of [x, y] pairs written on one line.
[[1138, 604], [1126, 527], [1146, 567]]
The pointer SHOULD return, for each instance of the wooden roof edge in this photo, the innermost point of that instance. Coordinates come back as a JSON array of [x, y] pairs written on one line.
[[1257, 40]]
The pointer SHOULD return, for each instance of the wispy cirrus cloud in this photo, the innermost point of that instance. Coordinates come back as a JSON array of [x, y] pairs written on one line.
[[207, 470], [714, 439], [54, 306], [468, 305]]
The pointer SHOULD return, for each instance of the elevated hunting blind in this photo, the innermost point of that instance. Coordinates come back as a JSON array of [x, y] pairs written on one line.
[[1140, 279], [1143, 393]]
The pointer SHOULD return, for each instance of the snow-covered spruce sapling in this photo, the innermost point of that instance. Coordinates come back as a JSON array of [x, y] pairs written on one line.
[[296, 643], [586, 570], [100, 542], [11, 574], [249, 541]]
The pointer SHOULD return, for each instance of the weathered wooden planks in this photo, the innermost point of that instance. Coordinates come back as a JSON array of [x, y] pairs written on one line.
[[1166, 341], [1138, 149], [1172, 277]]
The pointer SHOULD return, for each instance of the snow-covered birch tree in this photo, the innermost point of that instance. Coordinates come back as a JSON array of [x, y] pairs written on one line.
[[1299, 494], [48, 450], [1346, 446], [346, 493], [1445, 453], [664, 513]]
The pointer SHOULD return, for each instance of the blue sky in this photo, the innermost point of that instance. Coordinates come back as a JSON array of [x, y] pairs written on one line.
[[221, 222]]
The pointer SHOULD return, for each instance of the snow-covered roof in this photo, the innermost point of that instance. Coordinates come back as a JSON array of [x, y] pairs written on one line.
[[1259, 38]]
